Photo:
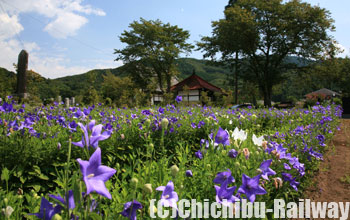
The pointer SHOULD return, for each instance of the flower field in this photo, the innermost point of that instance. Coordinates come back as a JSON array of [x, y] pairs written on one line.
[[97, 162]]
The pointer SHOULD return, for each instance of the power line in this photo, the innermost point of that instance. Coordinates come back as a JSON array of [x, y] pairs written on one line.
[[14, 29], [57, 30], [19, 39]]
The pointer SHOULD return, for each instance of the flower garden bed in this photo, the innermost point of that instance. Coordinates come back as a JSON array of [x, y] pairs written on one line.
[[110, 163]]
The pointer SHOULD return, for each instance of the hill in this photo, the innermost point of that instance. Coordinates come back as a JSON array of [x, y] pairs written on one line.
[[7, 82], [70, 86], [73, 85], [216, 75]]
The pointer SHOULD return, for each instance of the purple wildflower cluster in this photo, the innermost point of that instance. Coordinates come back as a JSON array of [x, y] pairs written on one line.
[[289, 150], [94, 174], [250, 186], [95, 136]]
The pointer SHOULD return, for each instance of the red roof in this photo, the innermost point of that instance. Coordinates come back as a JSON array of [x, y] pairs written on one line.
[[194, 82], [324, 92]]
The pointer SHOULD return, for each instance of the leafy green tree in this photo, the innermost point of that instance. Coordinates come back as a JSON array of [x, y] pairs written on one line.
[[205, 99], [151, 50], [119, 90], [90, 96], [230, 44], [7, 82], [330, 73], [267, 31]]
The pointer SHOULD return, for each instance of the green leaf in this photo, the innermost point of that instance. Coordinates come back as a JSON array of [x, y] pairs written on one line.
[[22, 179], [37, 169], [18, 173], [35, 187], [5, 174], [43, 177], [59, 183], [76, 192], [94, 216]]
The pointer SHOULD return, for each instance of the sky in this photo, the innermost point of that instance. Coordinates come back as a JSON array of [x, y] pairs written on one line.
[[67, 37]]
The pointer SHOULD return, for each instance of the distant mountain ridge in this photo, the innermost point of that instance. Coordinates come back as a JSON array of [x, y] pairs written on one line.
[[74, 85]]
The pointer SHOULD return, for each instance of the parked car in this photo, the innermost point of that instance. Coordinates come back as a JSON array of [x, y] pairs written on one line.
[[245, 105], [287, 104]]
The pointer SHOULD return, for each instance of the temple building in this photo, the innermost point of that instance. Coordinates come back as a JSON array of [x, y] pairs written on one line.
[[190, 89]]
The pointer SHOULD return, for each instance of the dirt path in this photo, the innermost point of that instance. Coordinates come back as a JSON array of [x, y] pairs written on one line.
[[332, 183]]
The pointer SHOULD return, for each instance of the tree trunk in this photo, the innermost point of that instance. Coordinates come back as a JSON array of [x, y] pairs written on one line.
[[160, 82], [254, 100], [168, 81], [267, 95], [236, 79]]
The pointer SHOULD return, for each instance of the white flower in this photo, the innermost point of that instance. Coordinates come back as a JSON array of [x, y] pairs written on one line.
[[8, 211], [258, 140], [239, 134], [235, 133]]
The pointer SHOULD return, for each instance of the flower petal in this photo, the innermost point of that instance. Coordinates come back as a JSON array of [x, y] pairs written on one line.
[[98, 186], [169, 188], [91, 124], [79, 144], [96, 130], [94, 161], [103, 173], [160, 188], [83, 166]]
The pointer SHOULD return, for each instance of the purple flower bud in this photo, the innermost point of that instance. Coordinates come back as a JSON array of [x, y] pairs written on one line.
[[232, 153], [199, 154], [189, 173], [178, 99], [59, 146]]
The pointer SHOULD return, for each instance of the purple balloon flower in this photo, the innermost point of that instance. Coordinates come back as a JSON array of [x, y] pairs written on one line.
[[225, 195], [288, 177], [224, 178], [169, 196], [266, 170], [178, 99], [71, 204], [95, 136], [130, 209], [232, 153], [204, 142], [286, 166], [250, 187], [189, 173], [95, 174], [222, 137], [161, 110], [199, 154], [47, 211]]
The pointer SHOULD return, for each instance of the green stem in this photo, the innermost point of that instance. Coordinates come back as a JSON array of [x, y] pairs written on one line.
[[133, 198], [66, 177], [162, 141]]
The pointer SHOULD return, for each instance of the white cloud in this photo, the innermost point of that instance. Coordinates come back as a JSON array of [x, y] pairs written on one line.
[[9, 27], [52, 66], [66, 17], [48, 66], [11, 48], [105, 64], [65, 25], [56, 67], [87, 9], [344, 50]]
